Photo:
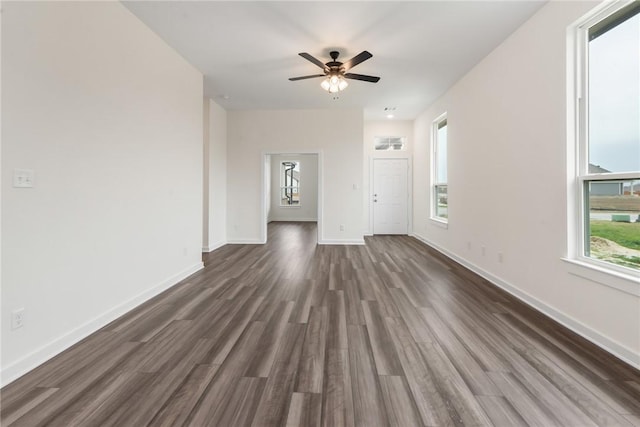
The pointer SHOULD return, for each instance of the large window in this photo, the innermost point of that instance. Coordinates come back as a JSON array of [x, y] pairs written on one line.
[[609, 134], [439, 193], [289, 183]]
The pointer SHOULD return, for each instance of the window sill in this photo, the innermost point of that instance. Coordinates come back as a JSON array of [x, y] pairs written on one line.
[[614, 279], [439, 222]]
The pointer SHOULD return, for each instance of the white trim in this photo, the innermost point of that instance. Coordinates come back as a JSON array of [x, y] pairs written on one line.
[[600, 12], [246, 242], [610, 176], [439, 222], [616, 349], [293, 220], [214, 246], [607, 267], [32, 360], [341, 242], [604, 275], [434, 169], [370, 199]]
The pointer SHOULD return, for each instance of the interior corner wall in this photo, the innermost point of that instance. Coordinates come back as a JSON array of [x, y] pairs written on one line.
[[508, 185], [216, 176], [336, 134], [372, 129], [205, 174], [308, 208], [110, 120]]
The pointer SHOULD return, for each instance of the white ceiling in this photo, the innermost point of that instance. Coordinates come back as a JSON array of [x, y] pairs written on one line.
[[248, 50]]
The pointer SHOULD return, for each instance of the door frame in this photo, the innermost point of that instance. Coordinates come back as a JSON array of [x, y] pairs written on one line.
[[265, 179], [408, 159]]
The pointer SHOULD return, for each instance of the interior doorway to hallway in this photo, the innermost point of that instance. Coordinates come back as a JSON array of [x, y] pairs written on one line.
[[291, 188]]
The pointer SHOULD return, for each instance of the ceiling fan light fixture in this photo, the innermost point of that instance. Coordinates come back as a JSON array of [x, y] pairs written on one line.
[[334, 83]]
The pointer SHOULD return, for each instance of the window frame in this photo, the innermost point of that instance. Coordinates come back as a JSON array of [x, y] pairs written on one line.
[[388, 138], [580, 216], [435, 184], [283, 186]]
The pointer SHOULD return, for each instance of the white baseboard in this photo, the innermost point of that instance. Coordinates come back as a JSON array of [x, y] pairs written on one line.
[[16, 369], [618, 350], [293, 220], [214, 246], [320, 242], [341, 242], [245, 242]]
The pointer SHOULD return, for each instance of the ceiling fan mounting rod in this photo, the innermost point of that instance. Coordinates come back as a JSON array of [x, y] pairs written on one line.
[[334, 65]]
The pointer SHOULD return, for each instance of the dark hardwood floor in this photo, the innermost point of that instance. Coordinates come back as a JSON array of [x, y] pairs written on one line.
[[295, 334]]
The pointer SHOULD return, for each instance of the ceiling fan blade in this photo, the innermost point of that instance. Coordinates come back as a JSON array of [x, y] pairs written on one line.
[[361, 57], [293, 79], [310, 58], [362, 77]]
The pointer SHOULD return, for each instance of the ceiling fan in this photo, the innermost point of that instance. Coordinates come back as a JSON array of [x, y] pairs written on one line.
[[335, 72]]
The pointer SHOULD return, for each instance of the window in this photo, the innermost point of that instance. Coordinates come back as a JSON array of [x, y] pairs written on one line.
[[390, 143], [439, 195], [609, 142], [289, 183]]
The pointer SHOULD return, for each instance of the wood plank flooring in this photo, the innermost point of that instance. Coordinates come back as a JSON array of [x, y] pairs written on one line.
[[294, 334]]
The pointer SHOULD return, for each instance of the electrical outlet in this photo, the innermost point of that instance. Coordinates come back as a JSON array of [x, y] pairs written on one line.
[[500, 257], [23, 178], [17, 318], [341, 227], [484, 251], [468, 246]]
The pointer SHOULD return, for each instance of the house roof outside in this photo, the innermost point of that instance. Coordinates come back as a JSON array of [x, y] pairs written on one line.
[[597, 169]]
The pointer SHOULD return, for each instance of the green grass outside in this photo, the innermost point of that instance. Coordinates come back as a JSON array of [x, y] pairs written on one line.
[[623, 233], [626, 261]]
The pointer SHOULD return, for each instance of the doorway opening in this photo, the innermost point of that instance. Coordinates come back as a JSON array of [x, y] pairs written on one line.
[[291, 189]]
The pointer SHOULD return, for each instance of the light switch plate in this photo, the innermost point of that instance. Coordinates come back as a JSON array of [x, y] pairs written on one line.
[[23, 178]]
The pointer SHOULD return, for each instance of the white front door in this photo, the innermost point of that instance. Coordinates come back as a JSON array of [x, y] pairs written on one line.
[[390, 194]]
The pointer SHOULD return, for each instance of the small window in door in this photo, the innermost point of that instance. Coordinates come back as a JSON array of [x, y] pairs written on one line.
[[289, 183], [390, 143]]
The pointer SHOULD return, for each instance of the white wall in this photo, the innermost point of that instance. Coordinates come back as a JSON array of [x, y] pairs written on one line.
[[308, 208], [337, 134], [110, 119], [372, 129], [215, 176], [507, 139]]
